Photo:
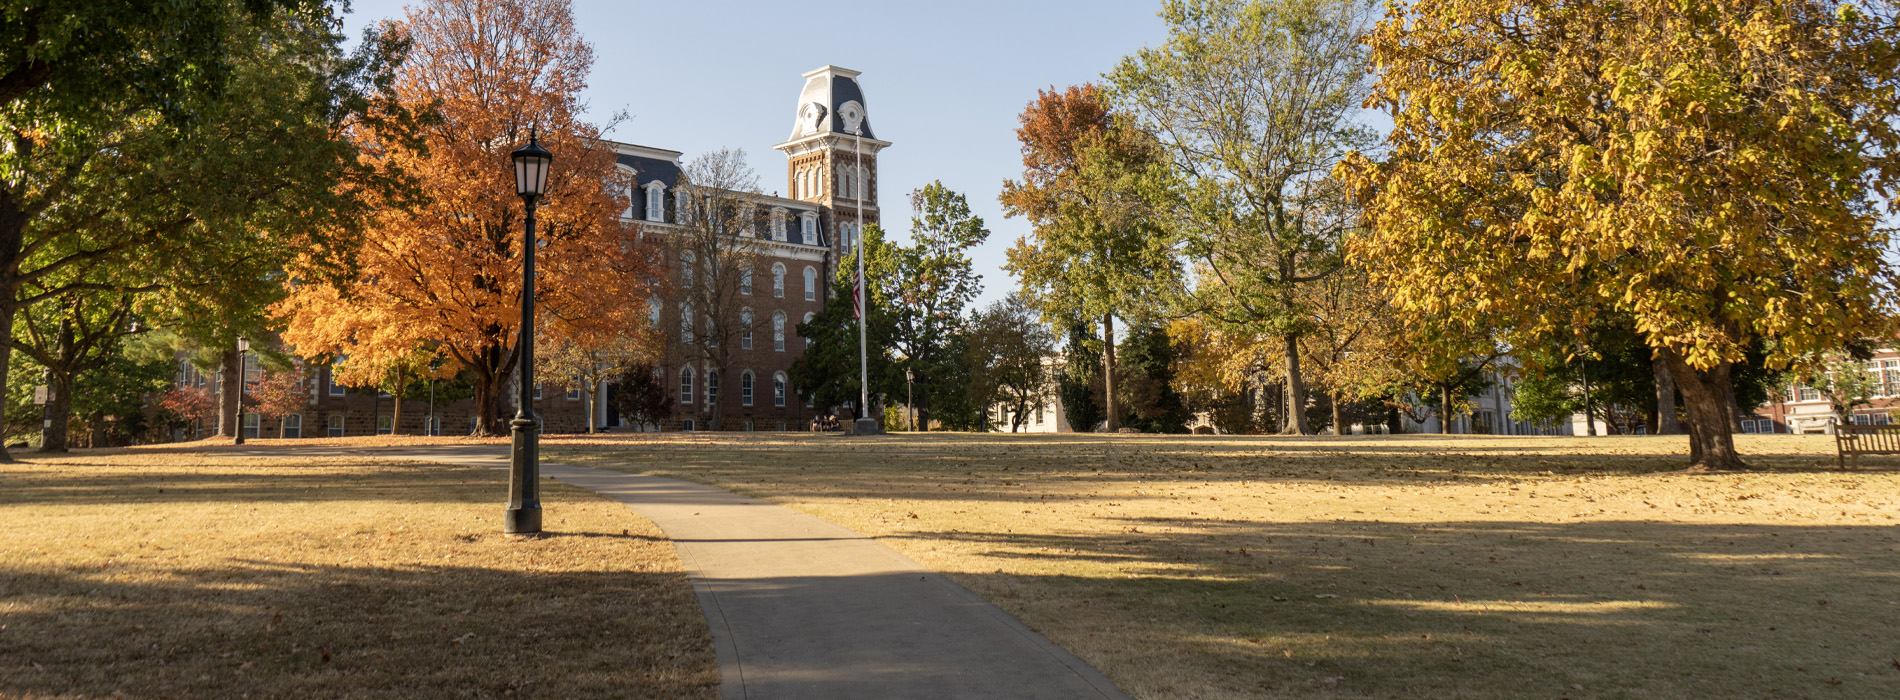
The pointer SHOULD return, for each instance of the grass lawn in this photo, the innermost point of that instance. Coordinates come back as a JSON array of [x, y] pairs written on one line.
[[1374, 567], [167, 574]]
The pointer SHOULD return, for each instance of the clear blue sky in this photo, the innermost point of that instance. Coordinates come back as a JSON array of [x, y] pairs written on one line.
[[944, 82]]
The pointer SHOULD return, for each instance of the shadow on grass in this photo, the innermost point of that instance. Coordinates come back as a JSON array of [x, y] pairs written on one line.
[[75, 484], [267, 629], [1470, 609]]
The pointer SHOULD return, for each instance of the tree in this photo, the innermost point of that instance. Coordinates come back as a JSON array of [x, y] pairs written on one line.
[[716, 251], [116, 116], [585, 363], [1711, 169], [641, 394], [449, 272], [79, 334], [1093, 188], [827, 373], [279, 392], [1078, 382], [930, 283], [1255, 100], [1150, 402], [1008, 351], [1846, 384], [190, 403]]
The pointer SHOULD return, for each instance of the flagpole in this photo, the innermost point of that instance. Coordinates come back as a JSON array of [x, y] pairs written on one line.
[[864, 309]]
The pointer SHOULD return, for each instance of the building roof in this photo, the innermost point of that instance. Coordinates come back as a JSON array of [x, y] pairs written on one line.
[[832, 102]]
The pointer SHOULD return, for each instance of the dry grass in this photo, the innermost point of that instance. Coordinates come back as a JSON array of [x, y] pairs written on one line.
[[182, 575], [1375, 567]]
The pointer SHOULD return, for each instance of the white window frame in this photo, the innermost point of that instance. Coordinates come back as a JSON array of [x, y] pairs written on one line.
[[335, 388], [745, 388], [811, 283], [778, 331], [656, 201], [745, 281], [808, 317], [745, 329], [334, 425], [292, 426], [381, 420], [778, 389], [712, 388], [686, 324], [687, 385], [688, 264], [778, 223], [808, 228], [778, 280]]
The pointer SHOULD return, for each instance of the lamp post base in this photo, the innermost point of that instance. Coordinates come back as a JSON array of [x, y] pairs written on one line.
[[866, 426], [522, 521]]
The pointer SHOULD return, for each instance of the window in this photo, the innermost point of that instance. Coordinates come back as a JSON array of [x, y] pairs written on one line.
[[251, 369], [1890, 377], [683, 207], [686, 385], [335, 388], [251, 423], [748, 218], [811, 283], [808, 228], [687, 263], [656, 201], [849, 232], [537, 392], [653, 312], [293, 426], [1748, 426], [778, 280], [687, 425], [712, 334], [1808, 393], [712, 388], [778, 331], [778, 224], [745, 329], [808, 317], [778, 389], [335, 423], [745, 281], [745, 388], [686, 323], [1880, 419], [384, 425], [574, 395], [781, 426]]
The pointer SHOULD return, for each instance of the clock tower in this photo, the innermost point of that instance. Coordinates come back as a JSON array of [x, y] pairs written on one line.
[[831, 158]]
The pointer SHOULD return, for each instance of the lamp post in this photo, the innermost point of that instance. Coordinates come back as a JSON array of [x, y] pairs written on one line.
[[524, 464], [908, 397], [244, 346]]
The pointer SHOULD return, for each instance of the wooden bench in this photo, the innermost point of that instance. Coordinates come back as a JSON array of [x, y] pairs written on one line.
[[1856, 440]]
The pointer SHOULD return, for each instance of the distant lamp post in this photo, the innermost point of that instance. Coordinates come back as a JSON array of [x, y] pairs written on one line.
[[524, 465], [909, 395], [244, 346]]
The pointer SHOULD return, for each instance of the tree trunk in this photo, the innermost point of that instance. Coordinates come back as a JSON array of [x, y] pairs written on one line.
[[1295, 390], [1667, 423], [395, 413], [231, 381], [56, 436], [1444, 409], [1393, 423], [1708, 399], [1339, 427], [1589, 407], [6, 352], [587, 403], [1108, 373]]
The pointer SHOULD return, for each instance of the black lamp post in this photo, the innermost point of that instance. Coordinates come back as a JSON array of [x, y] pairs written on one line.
[[909, 396], [524, 465], [244, 346]]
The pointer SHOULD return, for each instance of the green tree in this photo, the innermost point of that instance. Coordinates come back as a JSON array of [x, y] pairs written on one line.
[[1078, 382], [1255, 101], [1008, 354], [1094, 188], [1150, 401], [929, 286], [827, 373], [1712, 170], [1847, 385]]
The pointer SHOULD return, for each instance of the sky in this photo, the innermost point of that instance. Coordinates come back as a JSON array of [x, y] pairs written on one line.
[[944, 82]]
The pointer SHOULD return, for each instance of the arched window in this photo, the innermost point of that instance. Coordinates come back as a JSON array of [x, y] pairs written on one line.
[[858, 180], [712, 387], [686, 384], [683, 206], [778, 389], [656, 201], [653, 313], [808, 228], [745, 281], [687, 263], [686, 323], [627, 212], [778, 331], [808, 317], [778, 280], [748, 219], [745, 329], [745, 388], [778, 224], [849, 233], [712, 333], [811, 283]]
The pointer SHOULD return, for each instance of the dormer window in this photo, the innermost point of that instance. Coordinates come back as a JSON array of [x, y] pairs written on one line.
[[748, 220], [656, 201], [808, 228], [778, 224]]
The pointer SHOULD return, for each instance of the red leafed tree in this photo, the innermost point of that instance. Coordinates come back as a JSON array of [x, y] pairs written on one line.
[[278, 394], [444, 277], [191, 403]]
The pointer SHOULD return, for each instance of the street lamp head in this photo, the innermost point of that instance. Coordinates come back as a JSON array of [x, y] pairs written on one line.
[[244, 344], [908, 376], [531, 168]]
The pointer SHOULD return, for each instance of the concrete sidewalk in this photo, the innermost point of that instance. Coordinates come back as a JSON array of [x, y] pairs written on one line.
[[802, 608]]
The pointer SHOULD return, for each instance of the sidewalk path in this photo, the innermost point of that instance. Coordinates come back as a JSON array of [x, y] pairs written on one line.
[[803, 608]]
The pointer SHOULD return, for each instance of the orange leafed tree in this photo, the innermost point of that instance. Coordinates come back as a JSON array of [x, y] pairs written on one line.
[[444, 276]]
